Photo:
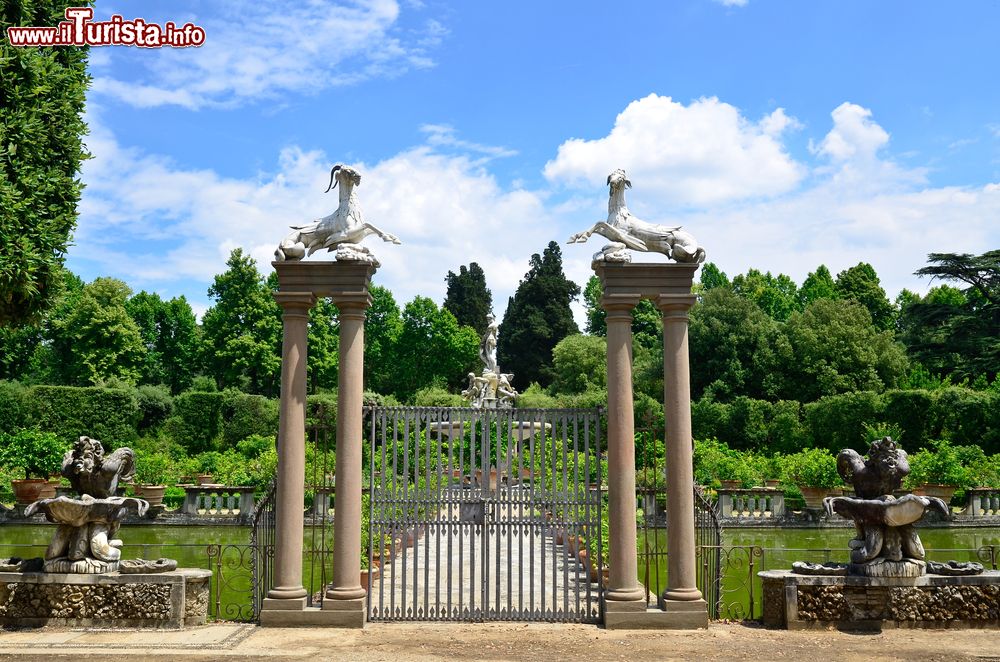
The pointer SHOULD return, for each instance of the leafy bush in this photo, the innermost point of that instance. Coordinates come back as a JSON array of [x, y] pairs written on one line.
[[232, 469], [244, 414], [197, 421], [836, 421], [535, 397], [815, 467], [37, 453], [154, 469], [437, 396], [714, 461], [155, 406], [108, 414], [12, 406], [255, 445], [173, 497], [939, 463]]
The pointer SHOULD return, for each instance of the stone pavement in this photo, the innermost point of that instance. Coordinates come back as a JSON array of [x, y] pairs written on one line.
[[494, 641]]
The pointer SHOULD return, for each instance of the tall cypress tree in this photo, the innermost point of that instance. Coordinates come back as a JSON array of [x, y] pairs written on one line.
[[468, 298], [538, 316], [41, 130]]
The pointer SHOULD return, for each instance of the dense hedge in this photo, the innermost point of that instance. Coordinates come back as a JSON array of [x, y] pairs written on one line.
[[108, 414], [914, 417], [12, 399], [244, 415]]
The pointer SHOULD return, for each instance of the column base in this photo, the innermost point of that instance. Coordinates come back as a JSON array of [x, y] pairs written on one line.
[[290, 593], [680, 595], [637, 594], [309, 617], [635, 615], [346, 613], [345, 594]]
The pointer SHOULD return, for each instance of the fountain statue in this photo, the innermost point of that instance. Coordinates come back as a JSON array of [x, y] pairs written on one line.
[[84, 541], [492, 389]]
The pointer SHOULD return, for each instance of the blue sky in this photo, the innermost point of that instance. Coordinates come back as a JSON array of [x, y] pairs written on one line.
[[781, 134]]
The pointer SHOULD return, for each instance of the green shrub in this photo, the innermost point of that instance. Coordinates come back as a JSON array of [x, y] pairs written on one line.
[[970, 417], [535, 397], [244, 414], [254, 445], [155, 406], [714, 461], [173, 497], [914, 414], [232, 469], [197, 421], [12, 406], [108, 414], [436, 396], [154, 469], [38, 454], [837, 421], [815, 467], [786, 433], [939, 463]]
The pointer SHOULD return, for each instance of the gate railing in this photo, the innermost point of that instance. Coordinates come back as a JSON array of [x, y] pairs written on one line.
[[478, 514]]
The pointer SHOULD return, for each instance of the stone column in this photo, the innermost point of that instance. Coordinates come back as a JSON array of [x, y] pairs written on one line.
[[288, 592], [681, 579], [346, 587], [623, 592]]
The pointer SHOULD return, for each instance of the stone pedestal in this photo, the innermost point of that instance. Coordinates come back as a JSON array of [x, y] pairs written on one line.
[[168, 600], [299, 285], [669, 287], [798, 602]]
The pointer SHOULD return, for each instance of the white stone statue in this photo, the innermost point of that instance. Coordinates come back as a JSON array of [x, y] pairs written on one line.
[[626, 231], [488, 347], [492, 388], [342, 230]]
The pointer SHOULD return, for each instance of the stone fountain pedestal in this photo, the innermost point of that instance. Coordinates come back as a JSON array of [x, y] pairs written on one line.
[[795, 602], [167, 600]]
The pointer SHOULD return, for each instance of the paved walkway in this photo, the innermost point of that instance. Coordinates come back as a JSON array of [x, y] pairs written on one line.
[[403, 642]]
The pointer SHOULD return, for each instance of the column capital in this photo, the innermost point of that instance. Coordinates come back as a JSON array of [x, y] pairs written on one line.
[[295, 303], [675, 306], [619, 306], [352, 304]]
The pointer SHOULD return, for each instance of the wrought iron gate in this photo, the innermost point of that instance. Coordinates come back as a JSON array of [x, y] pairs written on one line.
[[484, 515]]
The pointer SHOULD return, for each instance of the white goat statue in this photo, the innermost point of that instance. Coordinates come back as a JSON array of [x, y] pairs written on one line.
[[626, 231], [342, 230]]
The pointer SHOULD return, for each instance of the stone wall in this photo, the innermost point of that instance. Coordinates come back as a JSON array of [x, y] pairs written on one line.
[[168, 600]]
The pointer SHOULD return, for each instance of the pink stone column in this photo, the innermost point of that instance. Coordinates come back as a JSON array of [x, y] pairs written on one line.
[[288, 592], [346, 585], [681, 567], [623, 582]]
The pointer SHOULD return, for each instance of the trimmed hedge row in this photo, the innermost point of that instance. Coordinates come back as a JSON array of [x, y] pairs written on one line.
[[915, 417], [109, 414]]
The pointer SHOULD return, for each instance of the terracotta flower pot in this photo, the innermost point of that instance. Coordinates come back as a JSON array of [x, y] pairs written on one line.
[[374, 573], [204, 479], [813, 496], [28, 491], [153, 494], [732, 484], [772, 483], [943, 492]]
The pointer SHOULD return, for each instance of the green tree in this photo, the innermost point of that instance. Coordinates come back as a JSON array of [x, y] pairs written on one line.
[[432, 349], [860, 283], [242, 332], [169, 334], [833, 347], [468, 298], [538, 316], [580, 364], [712, 277], [817, 285], [41, 129], [775, 295], [383, 324], [957, 332], [324, 345], [98, 340], [733, 346]]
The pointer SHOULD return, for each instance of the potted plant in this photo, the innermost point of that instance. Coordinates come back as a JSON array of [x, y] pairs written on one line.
[[734, 471], [814, 472], [150, 474], [937, 471], [38, 454]]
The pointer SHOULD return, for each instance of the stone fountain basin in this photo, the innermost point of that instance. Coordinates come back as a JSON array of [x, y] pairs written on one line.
[[86, 509], [886, 510]]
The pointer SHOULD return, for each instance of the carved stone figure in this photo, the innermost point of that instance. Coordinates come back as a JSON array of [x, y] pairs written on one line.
[[85, 540], [886, 544], [341, 232], [628, 232], [492, 388]]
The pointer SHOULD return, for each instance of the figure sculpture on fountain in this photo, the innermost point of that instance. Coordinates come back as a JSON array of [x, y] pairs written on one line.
[[492, 388]]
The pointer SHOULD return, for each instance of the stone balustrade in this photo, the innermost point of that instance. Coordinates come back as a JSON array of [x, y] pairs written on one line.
[[981, 503], [219, 501], [756, 503]]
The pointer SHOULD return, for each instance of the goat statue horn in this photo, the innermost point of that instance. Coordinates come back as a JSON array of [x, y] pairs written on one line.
[[333, 181]]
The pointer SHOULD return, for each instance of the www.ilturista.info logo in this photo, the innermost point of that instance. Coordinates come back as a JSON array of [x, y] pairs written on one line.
[[79, 30]]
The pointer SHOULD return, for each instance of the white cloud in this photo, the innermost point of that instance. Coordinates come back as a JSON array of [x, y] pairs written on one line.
[[700, 154], [855, 136], [263, 49], [150, 222], [733, 3]]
